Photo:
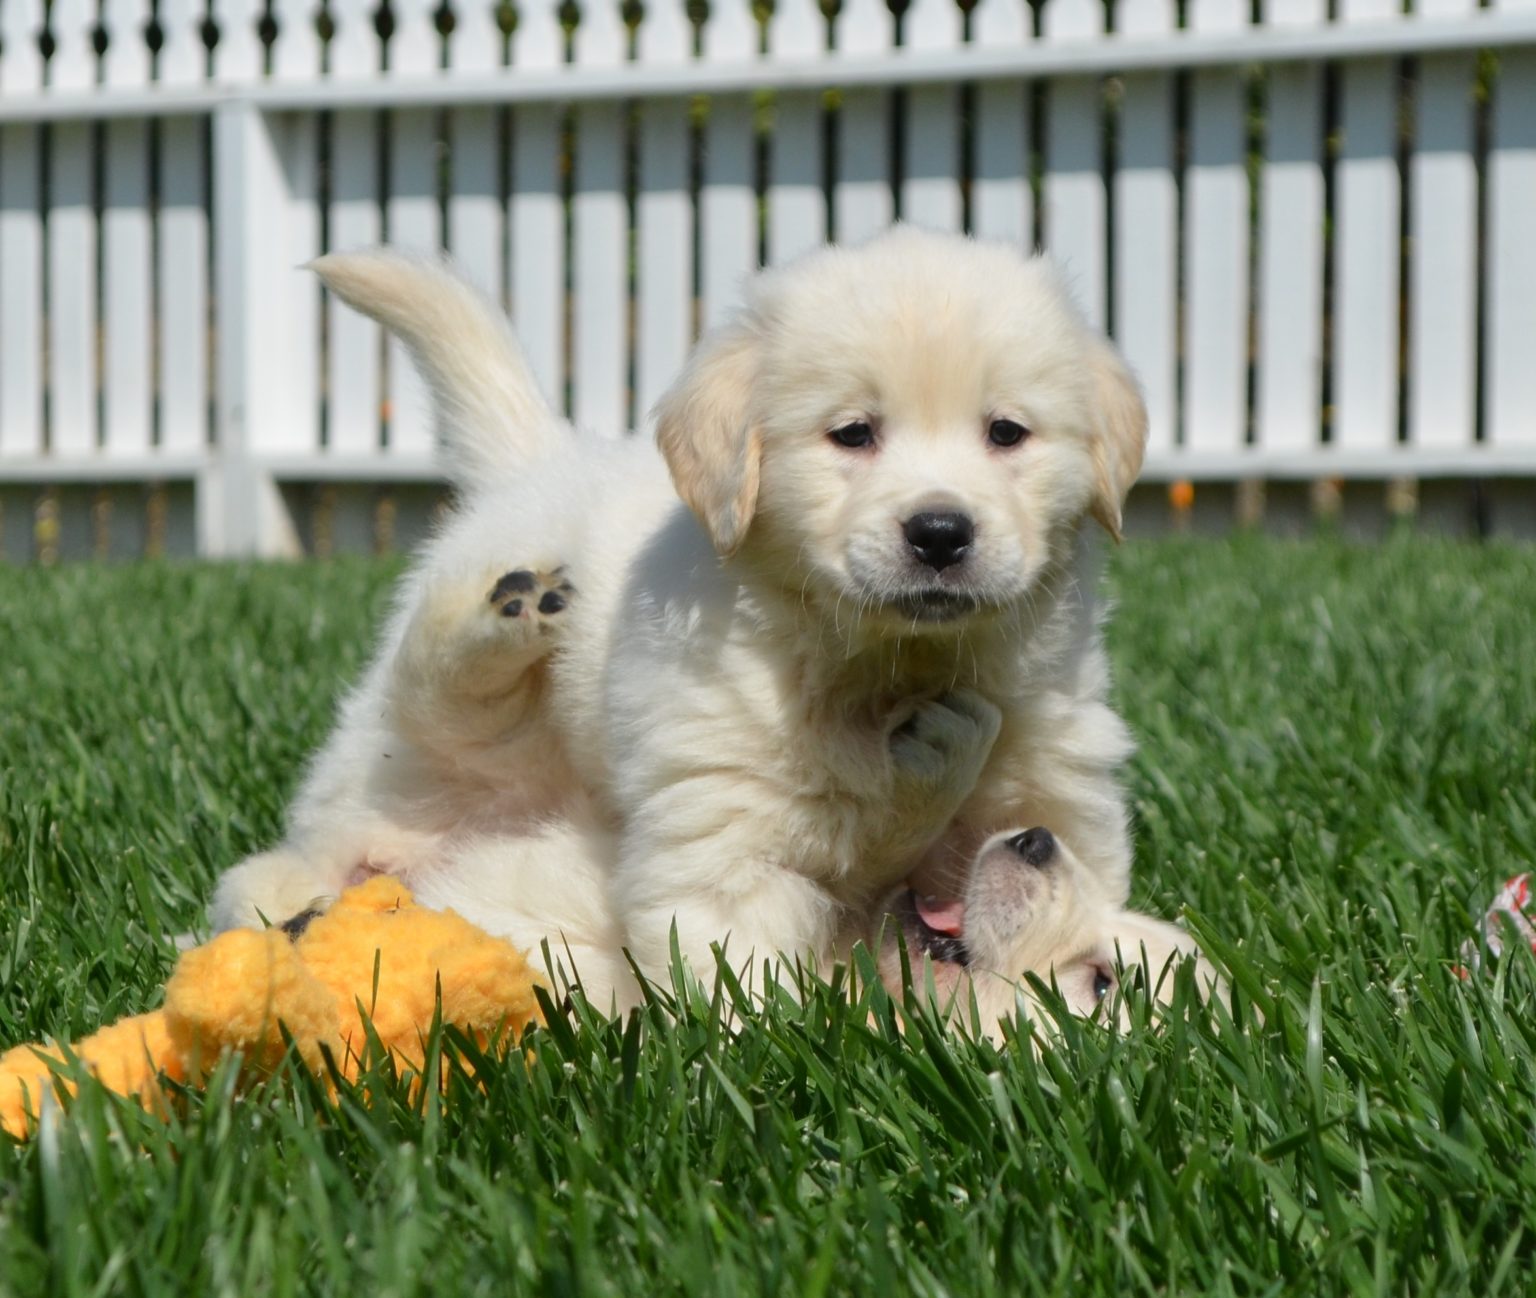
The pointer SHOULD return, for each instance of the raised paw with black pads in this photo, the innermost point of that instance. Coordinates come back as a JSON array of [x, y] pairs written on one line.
[[525, 589], [509, 586]]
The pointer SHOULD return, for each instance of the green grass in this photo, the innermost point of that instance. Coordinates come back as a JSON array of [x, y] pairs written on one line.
[[1337, 768]]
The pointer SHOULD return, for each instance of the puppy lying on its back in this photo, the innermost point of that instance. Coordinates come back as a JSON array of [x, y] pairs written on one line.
[[868, 649], [1025, 906]]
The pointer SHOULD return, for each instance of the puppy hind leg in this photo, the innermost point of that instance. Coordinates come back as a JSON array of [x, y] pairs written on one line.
[[464, 667], [549, 885], [775, 917]]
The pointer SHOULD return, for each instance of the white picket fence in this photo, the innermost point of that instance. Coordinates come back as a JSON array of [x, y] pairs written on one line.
[[1313, 233]]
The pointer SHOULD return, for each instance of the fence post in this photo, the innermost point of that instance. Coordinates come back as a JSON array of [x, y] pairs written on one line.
[[240, 508]]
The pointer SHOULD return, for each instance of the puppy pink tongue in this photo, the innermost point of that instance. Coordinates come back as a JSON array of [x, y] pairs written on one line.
[[942, 914]]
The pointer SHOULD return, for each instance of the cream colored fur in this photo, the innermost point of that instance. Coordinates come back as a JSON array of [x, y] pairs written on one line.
[[1052, 919], [740, 725]]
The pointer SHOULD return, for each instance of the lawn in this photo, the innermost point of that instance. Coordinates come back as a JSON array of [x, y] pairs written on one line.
[[1337, 769]]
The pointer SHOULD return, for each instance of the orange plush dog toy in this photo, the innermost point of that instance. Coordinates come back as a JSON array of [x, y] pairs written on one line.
[[374, 960]]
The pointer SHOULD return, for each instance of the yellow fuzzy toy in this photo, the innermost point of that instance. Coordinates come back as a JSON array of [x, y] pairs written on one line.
[[374, 953]]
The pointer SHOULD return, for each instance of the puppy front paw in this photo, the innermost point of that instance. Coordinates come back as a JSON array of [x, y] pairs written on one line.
[[268, 889], [945, 743]]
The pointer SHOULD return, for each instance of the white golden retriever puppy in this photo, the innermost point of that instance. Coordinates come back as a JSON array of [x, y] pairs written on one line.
[[1026, 905], [864, 647]]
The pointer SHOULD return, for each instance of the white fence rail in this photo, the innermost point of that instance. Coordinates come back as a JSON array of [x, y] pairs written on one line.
[[1313, 232]]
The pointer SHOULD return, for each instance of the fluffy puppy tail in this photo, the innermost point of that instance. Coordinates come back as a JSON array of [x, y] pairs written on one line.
[[490, 412]]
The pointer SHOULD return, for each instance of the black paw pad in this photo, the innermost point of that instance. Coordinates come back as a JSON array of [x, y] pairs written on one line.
[[518, 582], [551, 602], [512, 608]]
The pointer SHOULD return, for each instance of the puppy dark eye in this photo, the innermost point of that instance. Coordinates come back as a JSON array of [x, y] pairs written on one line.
[[1006, 432], [854, 436], [1103, 983]]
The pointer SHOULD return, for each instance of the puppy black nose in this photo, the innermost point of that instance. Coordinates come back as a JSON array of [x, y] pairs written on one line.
[[939, 540], [1037, 846]]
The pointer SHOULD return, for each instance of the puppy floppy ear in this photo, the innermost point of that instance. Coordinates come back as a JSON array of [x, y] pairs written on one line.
[[1120, 436], [706, 434]]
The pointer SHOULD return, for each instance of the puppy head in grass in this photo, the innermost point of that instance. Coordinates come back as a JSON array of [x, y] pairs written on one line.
[[907, 432], [1026, 906]]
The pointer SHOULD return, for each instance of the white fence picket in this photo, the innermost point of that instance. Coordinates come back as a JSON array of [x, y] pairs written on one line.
[[354, 351], [476, 42], [539, 42], [296, 54], [930, 183], [72, 355], [600, 237], [1366, 248], [1442, 323], [1076, 211], [127, 326], [1510, 271], [354, 355], [412, 214], [181, 305], [411, 210], [1290, 306], [238, 56], [21, 290], [415, 47], [298, 57], [474, 196], [663, 216], [240, 508], [181, 241], [72, 65], [474, 143], [1146, 233], [125, 64], [538, 246], [1002, 202], [863, 199], [537, 207], [600, 271], [21, 55], [127, 296], [353, 51], [797, 208], [299, 159], [728, 220], [21, 238], [1216, 248], [71, 235]]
